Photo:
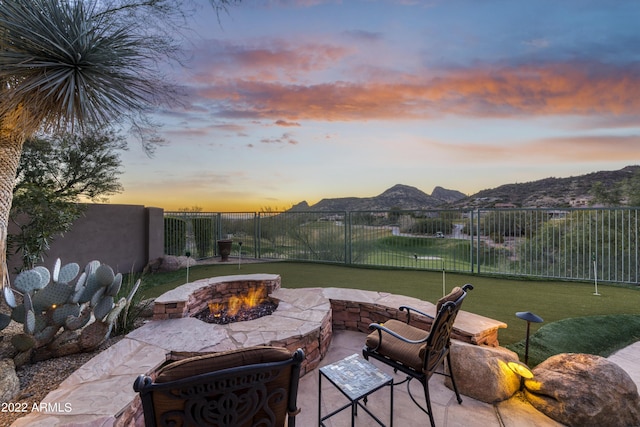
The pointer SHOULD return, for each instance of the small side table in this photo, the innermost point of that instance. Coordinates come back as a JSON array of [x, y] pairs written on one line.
[[356, 378]]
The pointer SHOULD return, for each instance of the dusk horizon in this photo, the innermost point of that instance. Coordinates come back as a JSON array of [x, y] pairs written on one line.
[[291, 101]]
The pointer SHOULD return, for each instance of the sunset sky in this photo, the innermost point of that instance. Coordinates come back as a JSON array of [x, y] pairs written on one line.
[[292, 100]]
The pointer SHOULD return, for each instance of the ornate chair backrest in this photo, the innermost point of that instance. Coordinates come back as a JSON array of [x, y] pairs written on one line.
[[241, 388], [439, 340]]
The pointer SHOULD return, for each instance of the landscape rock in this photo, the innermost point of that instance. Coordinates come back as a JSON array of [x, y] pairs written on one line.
[[481, 372], [64, 344], [9, 382], [584, 390], [169, 263]]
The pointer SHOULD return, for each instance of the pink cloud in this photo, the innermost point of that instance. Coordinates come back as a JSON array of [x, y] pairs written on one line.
[[270, 60], [551, 150], [285, 123], [560, 89]]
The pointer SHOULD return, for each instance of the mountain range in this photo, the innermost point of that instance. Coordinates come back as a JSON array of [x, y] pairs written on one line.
[[574, 191]]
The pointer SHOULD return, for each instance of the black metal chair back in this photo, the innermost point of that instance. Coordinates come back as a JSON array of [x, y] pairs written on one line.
[[415, 352], [241, 388]]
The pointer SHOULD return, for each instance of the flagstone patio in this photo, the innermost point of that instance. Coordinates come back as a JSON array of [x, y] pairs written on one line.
[[100, 393]]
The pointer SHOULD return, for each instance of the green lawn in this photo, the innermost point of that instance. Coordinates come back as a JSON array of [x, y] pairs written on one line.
[[497, 298]]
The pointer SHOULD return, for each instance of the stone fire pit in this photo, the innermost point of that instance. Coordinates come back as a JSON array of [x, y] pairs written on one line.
[[301, 320], [101, 391]]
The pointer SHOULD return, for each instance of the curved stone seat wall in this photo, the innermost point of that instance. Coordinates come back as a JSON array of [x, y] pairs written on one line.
[[101, 391]]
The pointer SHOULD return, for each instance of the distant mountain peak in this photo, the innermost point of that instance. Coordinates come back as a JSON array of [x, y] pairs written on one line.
[[548, 192], [399, 196]]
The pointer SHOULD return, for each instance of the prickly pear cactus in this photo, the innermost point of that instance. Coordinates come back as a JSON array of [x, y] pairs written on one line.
[[51, 303]]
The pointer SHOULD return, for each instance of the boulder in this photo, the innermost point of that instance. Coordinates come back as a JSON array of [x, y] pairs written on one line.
[[9, 382], [481, 372], [169, 263], [584, 390], [153, 266]]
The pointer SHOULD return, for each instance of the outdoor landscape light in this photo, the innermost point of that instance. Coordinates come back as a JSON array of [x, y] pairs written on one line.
[[521, 369], [188, 254], [528, 317]]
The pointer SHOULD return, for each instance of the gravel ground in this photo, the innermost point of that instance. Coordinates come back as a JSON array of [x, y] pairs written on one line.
[[38, 379]]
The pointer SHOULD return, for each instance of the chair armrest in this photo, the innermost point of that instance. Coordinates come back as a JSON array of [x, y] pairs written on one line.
[[409, 309], [380, 328]]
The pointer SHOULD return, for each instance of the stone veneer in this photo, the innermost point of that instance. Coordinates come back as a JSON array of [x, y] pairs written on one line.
[[190, 299], [101, 391]]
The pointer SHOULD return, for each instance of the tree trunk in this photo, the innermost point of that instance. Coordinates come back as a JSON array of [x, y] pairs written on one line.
[[11, 141]]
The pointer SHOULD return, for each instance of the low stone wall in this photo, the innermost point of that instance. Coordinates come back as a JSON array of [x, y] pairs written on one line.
[[305, 319], [357, 316]]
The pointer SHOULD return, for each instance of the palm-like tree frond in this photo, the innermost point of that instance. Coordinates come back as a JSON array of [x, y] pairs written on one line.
[[66, 62]]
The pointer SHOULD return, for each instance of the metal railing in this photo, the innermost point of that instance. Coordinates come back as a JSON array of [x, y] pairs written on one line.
[[572, 244]]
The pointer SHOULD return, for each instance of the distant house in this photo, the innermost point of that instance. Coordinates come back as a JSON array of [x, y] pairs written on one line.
[[505, 205], [579, 202]]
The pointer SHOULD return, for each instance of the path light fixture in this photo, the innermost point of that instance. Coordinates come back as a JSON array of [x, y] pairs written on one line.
[[595, 273], [239, 254], [188, 254], [528, 317]]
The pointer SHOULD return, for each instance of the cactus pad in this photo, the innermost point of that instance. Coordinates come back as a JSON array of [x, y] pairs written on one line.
[[79, 288], [9, 297], [90, 288], [105, 275], [29, 322], [41, 322], [114, 287], [92, 267], [56, 270], [28, 304], [46, 335], [56, 293], [29, 281], [103, 307], [95, 299], [68, 272], [61, 313], [23, 342], [73, 323], [17, 314], [46, 276], [4, 320]]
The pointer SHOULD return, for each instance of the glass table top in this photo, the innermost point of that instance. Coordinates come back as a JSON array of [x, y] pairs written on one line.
[[355, 376]]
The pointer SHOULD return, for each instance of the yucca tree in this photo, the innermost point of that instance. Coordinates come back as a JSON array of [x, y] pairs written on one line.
[[68, 63]]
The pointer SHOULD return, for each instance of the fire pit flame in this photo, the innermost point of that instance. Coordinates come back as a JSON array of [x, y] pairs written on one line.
[[251, 305]]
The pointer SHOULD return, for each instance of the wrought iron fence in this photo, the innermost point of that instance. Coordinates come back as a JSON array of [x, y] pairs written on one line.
[[573, 244]]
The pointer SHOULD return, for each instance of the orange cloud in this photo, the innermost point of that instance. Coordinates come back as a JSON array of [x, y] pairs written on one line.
[[551, 150], [558, 89]]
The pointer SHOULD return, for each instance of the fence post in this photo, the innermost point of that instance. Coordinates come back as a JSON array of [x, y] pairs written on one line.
[[347, 238], [257, 251], [478, 242], [471, 257]]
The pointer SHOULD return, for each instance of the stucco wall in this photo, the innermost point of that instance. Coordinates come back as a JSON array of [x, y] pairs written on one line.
[[125, 237]]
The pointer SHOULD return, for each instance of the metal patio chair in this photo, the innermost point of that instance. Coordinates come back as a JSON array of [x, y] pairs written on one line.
[[414, 351], [239, 388]]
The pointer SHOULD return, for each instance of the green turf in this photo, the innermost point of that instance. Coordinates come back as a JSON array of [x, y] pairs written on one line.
[[497, 298], [599, 335]]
